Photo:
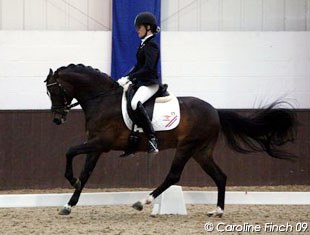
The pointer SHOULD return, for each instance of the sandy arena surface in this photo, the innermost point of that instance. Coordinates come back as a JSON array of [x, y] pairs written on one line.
[[125, 220]]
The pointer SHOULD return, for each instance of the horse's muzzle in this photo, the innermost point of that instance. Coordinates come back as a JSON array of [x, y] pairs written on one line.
[[59, 119]]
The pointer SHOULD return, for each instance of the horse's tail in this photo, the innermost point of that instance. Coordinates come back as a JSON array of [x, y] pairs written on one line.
[[264, 130]]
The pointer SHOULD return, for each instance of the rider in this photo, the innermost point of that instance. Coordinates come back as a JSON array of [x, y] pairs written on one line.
[[144, 74]]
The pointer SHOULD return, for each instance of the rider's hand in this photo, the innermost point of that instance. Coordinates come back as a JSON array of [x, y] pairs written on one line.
[[123, 81]]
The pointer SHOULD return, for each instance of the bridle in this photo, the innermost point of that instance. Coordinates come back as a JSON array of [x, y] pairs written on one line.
[[66, 106]]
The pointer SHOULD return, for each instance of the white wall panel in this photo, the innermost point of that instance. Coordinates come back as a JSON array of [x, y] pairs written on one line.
[[0, 14], [236, 15], [177, 15], [231, 15], [238, 70], [189, 15], [57, 15], [26, 56], [274, 15], [227, 69], [35, 14], [251, 14], [78, 14], [308, 14], [295, 12], [170, 15], [12, 14], [100, 13], [210, 14]]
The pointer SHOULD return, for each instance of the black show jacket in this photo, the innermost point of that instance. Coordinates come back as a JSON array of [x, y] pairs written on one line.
[[144, 72]]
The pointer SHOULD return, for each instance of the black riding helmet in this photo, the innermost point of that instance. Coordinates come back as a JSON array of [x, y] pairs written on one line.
[[146, 18]]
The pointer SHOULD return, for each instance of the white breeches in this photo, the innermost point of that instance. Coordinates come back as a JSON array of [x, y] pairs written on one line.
[[143, 94]]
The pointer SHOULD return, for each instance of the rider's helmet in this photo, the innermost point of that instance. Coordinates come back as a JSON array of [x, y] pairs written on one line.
[[147, 18]]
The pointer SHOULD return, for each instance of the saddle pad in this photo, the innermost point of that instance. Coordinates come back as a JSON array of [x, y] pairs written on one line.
[[166, 115]]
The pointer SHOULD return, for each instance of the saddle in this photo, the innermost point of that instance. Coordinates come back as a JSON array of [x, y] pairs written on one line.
[[163, 109], [148, 105]]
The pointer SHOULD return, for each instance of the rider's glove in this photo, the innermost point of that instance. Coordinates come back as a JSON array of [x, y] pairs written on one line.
[[123, 81]]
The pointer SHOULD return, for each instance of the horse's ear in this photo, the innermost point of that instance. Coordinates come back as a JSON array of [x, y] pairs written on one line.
[[49, 75]]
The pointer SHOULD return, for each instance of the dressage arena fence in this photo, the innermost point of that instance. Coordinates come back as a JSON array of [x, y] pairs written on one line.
[[44, 156], [123, 198]]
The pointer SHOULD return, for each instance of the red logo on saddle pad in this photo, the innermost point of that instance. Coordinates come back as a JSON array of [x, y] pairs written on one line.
[[170, 119]]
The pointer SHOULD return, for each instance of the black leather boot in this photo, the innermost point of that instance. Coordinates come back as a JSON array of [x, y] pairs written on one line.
[[146, 124]]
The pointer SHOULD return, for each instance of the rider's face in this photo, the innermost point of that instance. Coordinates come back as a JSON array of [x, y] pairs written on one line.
[[141, 31]]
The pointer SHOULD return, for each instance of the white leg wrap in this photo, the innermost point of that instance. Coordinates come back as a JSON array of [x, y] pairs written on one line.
[[148, 200], [217, 212], [67, 207]]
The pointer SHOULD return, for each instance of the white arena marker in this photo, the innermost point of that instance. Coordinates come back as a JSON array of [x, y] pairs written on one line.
[[170, 202]]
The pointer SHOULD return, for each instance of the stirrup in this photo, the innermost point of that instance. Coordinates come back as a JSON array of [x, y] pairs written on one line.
[[153, 146]]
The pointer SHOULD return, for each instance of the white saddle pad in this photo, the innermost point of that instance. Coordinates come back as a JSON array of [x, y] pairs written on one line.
[[166, 114]]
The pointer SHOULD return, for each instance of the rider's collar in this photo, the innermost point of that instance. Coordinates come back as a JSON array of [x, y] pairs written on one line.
[[144, 39]]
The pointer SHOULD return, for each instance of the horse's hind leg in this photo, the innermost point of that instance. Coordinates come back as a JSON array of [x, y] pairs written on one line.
[[205, 160], [179, 161], [90, 163]]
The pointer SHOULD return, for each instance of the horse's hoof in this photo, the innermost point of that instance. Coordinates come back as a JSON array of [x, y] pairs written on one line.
[[138, 206], [214, 215], [77, 185], [218, 212], [66, 210]]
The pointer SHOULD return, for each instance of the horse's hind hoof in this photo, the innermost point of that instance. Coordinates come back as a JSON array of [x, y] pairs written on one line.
[[138, 206], [214, 215], [66, 210], [218, 212]]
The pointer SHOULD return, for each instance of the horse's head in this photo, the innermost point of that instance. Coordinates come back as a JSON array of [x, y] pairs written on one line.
[[78, 81], [59, 96]]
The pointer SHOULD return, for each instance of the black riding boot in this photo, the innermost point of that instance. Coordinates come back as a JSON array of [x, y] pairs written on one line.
[[146, 124]]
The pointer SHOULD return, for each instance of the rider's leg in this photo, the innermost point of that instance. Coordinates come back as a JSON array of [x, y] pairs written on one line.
[[142, 95], [146, 124]]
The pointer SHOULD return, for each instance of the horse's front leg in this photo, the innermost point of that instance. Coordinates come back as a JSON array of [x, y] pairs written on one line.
[[89, 166], [91, 146]]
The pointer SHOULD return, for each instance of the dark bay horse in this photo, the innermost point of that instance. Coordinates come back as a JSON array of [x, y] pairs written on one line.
[[195, 137]]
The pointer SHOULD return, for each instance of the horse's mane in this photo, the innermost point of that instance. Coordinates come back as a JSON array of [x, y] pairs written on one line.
[[81, 68]]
